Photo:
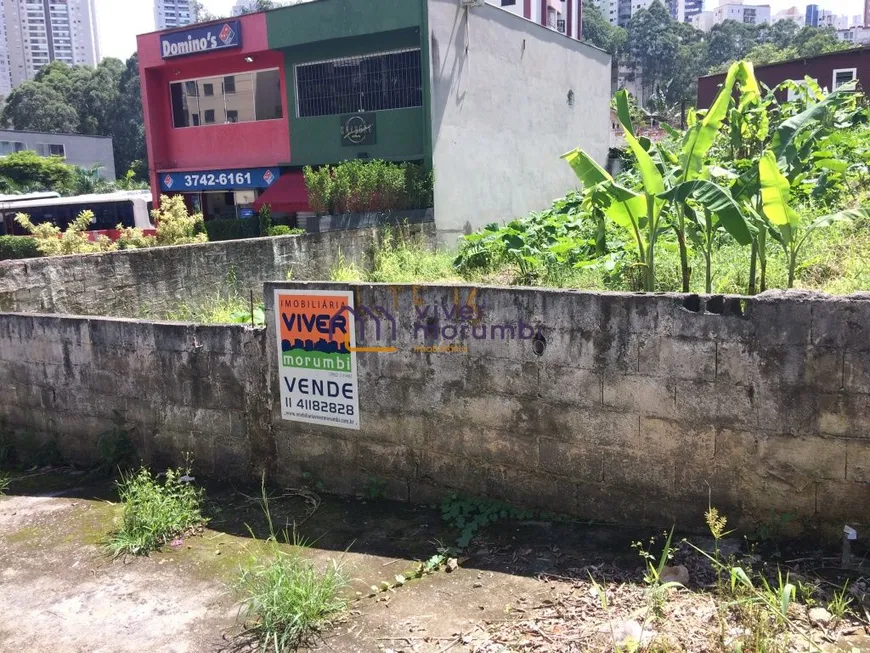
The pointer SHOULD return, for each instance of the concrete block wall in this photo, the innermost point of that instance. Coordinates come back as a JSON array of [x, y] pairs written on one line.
[[640, 408], [186, 388], [150, 282], [631, 408]]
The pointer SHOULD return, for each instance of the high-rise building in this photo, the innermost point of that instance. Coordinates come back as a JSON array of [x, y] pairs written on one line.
[[685, 10], [866, 13], [37, 32], [173, 13], [812, 17]]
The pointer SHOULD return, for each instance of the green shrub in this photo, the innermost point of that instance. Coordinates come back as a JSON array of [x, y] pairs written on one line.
[[284, 230], [359, 186], [265, 217], [319, 184], [18, 247], [232, 229], [155, 513]]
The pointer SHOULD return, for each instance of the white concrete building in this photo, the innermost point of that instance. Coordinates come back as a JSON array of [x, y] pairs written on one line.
[[704, 21], [855, 35], [563, 16], [619, 12], [493, 164], [742, 13], [173, 13], [794, 14], [37, 32]]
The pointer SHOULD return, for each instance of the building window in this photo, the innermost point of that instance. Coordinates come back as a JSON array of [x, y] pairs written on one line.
[[392, 80], [51, 149], [508, 3], [8, 147], [844, 76], [244, 97]]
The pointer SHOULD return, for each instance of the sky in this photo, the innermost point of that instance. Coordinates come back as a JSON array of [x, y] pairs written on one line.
[[121, 20]]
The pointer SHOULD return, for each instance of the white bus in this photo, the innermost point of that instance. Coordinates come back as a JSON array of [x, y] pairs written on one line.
[[129, 208]]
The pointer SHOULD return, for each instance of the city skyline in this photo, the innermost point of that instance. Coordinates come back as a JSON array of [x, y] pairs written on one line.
[[119, 23]]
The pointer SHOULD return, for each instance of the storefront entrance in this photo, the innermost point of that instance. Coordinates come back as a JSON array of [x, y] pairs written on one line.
[[221, 194]]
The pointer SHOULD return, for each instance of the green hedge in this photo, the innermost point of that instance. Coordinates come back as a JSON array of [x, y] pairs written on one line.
[[232, 229], [359, 186], [18, 247]]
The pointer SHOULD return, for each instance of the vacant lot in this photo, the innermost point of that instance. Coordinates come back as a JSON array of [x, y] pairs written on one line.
[[519, 585]]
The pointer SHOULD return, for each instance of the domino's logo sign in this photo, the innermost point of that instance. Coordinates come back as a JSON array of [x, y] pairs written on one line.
[[167, 181], [227, 35], [268, 177]]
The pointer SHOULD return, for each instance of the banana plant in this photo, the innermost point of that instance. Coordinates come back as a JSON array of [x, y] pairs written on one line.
[[678, 179], [776, 205]]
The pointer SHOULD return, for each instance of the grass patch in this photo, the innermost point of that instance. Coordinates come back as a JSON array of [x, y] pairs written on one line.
[[155, 512], [286, 597], [399, 259]]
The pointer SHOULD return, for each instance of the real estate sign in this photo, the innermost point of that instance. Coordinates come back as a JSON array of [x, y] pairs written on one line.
[[316, 357]]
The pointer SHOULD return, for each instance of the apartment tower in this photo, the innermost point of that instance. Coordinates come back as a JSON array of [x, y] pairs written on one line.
[[38, 32], [173, 13]]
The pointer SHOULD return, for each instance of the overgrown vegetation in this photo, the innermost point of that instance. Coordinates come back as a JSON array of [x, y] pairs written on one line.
[[399, 258], [156, 511], [286, 598], [736, 204], [175, 226], [358, 186]]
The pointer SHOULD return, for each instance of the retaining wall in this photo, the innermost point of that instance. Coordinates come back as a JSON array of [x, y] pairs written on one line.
[[154, 281], [632, 408]]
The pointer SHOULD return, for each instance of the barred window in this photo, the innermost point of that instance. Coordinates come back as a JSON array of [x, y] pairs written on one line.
[[392, 80]]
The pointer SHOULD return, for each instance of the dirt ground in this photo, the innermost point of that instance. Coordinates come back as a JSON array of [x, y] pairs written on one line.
[[521, 586]]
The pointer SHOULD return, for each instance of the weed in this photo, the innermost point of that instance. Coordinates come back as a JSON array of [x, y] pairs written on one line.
[[154, 512], [806, 592], [311, 482], [48, 454], [115, 449], [345, 271], [840, 601], [375, 488], [5, 482], [286, 598], [471, 514]]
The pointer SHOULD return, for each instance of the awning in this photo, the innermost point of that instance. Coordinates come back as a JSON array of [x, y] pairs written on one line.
[[288, 194]]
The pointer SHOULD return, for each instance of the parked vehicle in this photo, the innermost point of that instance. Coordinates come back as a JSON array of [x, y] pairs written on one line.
[[125, 208]]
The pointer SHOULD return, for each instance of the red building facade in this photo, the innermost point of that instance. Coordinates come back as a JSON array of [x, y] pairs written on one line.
[[216, 117]]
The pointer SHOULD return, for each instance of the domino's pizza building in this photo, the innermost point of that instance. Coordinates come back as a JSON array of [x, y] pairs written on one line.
[[235, 108]]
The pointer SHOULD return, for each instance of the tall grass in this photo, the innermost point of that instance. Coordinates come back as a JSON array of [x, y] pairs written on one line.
[[155, 512], [399, 259], [5, 482], [286, 597]]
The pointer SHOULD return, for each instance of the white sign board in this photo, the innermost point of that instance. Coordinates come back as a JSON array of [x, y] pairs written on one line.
[[317, 358]]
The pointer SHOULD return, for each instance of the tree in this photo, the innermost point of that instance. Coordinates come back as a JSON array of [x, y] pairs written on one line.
[[653, 43], [128, 126], [253, 6], [28, 169], [104, 101], [36, 107]]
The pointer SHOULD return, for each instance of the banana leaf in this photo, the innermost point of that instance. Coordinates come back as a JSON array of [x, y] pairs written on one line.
[[717, 200]]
